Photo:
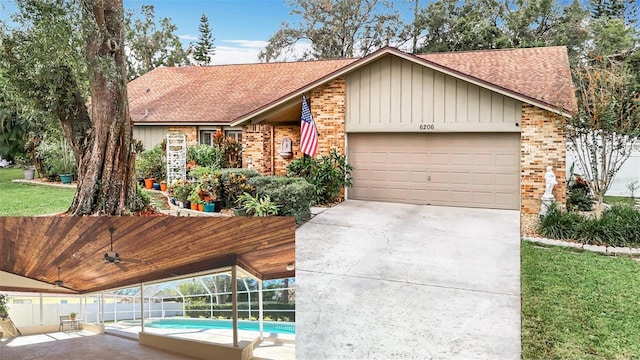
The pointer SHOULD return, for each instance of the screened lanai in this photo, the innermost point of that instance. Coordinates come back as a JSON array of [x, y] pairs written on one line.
[[171, 267]]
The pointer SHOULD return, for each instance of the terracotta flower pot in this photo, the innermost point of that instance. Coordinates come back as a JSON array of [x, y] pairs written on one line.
[[194, 206], [163, 186], [148, 183], [200, 207]]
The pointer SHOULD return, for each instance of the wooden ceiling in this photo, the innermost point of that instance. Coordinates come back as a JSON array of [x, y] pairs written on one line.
[[157, 248]]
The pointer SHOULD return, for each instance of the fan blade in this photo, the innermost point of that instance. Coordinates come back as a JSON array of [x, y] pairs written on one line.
[[121, 266], [131, 261], [102, 265]]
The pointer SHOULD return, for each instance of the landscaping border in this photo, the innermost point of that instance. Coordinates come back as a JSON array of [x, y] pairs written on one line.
[[602, 249]]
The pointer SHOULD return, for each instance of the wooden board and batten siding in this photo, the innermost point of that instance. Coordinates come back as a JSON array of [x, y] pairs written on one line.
[[150, 135], [418, 136]]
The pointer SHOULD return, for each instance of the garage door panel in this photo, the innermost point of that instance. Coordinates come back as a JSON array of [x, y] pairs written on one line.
[[483, 179], [475, 170]]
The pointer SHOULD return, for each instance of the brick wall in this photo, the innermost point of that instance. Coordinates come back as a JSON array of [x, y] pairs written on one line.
[[256, 145], [327, 107], [190, 131], [542, 144], [293, 132]]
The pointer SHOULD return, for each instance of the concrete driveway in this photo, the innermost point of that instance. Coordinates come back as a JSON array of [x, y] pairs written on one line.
[[396, 281]]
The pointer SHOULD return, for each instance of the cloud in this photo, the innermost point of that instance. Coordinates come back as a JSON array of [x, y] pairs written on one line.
[[187, 37], [248, 43], [246, 51]]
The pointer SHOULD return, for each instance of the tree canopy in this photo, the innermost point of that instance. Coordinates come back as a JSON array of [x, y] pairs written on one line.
[[151, 44], [335, 29]]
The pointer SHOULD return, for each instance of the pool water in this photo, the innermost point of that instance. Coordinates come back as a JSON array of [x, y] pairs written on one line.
[[268, 326]]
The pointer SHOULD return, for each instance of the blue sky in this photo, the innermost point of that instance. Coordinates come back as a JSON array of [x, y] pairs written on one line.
[[240, 27]]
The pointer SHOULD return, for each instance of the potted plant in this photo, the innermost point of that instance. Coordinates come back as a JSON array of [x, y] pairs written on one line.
[[211, 190], [181, 191], [151, 165], [25, 164], [4, 311], [194, 198], [65, 170], [163, 185], [73, 316], [4, 308]]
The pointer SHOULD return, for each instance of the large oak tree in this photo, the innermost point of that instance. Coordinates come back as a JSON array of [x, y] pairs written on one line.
[[80, 82]]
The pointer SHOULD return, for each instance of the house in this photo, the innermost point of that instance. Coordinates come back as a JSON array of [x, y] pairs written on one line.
[[470, 129]]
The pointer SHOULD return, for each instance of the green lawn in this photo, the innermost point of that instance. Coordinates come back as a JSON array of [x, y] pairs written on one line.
[[579, 305], [618, 200], [28, 200]]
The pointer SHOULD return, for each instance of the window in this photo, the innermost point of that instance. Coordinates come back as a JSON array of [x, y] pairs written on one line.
[[234, 134], [205, 136], [22, 301]]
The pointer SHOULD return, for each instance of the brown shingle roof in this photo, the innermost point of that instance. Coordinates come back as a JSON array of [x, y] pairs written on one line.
[[540, 74], [222, 94], [218, 94]]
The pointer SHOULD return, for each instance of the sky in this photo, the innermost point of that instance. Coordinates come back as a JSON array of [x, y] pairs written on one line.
[[240, 28]]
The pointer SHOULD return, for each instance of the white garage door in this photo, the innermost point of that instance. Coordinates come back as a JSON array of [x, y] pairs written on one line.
[[454, 169]]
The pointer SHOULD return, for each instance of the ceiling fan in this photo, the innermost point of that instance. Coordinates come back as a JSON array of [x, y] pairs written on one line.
[[112, 257], [58, 283]]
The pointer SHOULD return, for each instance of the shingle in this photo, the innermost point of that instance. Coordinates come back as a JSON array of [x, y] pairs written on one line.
[[222, 94], [219, 94], [541, 74]]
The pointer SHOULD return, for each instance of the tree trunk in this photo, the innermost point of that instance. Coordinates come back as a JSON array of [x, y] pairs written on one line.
[[102, 139]]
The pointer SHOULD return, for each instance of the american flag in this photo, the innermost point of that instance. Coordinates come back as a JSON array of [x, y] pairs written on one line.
[[308, 132]]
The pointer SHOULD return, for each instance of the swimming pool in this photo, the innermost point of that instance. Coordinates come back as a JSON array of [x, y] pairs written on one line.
[[182, 323]]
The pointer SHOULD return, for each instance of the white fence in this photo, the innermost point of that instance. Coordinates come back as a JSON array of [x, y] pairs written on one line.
[[629, 172], [29, 314]]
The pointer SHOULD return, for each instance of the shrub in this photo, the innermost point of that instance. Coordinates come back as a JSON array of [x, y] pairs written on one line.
[[57, 157], [223, 311], [578, 194], [234, 183], [205, 155], [557, 224], [151, 164], [197, 172], [181, 190], [294, 196], [258, 206], [616, 227], [327, 173]]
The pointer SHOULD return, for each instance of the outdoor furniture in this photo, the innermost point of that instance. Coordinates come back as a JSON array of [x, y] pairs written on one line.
[[65, 320]]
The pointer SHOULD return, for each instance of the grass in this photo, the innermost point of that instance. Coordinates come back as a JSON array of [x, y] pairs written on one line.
[[158, 200], [579, 305], [618, 200], [28, 200]]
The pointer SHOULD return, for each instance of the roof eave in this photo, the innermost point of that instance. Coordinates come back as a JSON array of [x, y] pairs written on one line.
[[410, 57]]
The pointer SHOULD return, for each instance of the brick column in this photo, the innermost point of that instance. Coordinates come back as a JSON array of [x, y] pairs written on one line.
[[542, 144], [256, 144], [328, 109]]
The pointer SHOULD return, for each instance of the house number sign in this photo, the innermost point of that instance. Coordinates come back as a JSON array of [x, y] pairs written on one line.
[[427, 127]]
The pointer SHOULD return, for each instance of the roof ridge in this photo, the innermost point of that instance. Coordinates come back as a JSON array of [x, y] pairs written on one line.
[[491, 50]]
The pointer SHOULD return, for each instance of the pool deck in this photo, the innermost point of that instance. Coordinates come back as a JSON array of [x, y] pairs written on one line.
[[274, 345], [124, 345]]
